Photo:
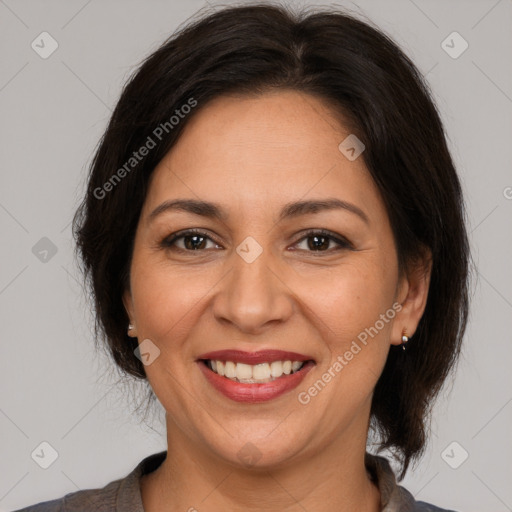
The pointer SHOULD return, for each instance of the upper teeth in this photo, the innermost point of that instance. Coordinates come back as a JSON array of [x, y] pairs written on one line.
[[247, 373]]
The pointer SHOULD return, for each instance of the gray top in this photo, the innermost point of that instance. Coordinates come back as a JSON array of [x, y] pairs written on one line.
[[123, 495]]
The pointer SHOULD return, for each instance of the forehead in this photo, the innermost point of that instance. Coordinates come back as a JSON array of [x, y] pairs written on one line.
[[259, 150]]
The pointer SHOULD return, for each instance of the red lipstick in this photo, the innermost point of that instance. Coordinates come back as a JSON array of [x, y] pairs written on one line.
[[254, 392], [263, 356]]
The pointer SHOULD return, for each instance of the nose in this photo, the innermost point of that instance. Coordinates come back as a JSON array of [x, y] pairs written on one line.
[[254, 296]]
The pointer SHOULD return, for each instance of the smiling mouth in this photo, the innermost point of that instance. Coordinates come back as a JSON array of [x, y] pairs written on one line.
[[255, 374]]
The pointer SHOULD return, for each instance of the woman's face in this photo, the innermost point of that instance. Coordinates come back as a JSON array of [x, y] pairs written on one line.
[[254, 280]]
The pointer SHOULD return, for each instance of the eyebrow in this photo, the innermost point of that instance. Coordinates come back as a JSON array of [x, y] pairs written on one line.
[[290, 210]]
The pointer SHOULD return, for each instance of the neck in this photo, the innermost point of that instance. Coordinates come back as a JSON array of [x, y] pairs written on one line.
[[191, 477]]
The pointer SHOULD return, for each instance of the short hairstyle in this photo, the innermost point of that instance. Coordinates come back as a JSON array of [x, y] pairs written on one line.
[[378, 94]]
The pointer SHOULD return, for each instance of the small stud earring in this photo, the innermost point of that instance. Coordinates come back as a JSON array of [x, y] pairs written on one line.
[[405, 338], [130, 328]]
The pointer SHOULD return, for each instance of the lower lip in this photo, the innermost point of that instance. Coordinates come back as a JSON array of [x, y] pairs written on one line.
[[253, 393]]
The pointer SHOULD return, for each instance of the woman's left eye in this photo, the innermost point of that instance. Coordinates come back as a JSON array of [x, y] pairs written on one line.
[[316, 241]]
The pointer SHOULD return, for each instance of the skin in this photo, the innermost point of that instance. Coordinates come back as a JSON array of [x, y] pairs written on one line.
[[252, 155]]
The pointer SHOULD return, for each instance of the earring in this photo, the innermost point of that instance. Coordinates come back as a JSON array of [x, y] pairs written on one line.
[[405, 338], [130, 327]]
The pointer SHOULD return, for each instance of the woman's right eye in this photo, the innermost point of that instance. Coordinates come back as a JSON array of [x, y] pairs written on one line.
[[193, 240]]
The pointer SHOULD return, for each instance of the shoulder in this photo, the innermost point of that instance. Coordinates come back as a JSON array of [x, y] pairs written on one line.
[[406, 503], [122, 494], [394, 497], [421, 506], [409, 504], [100, 500]]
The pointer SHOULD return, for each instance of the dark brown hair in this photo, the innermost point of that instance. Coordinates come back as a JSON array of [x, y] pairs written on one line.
[[360, 72]]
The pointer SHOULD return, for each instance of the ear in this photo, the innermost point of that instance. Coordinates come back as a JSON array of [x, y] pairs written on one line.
[[130, 310], [412, 295]]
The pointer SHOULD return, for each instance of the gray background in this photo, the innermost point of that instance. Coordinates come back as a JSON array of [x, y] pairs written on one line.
[[53, 385]]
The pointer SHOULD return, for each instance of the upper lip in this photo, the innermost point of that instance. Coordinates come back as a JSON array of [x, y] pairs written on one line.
[[263, 356]]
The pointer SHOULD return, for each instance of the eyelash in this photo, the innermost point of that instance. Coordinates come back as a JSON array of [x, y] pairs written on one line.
[[169, 242]]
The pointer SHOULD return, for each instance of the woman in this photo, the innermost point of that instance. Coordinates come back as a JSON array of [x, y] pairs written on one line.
[[274, 235]]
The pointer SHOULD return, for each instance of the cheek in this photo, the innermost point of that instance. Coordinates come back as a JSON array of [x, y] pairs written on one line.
[[165, 298], [167, 304], [353, 310], [350, 298]]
